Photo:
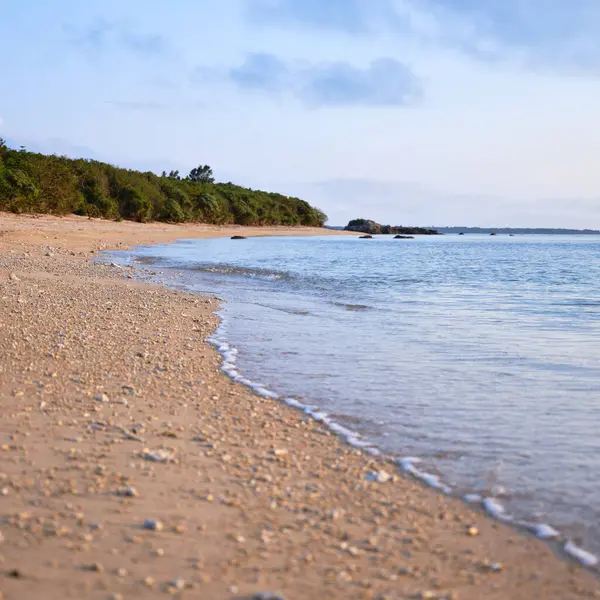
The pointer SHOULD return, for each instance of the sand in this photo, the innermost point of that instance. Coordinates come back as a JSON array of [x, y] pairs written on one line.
[[131, 467]]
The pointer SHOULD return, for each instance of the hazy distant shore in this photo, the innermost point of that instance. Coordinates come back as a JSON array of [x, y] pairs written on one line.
[[116, 413], [502, 230], [519, 230]]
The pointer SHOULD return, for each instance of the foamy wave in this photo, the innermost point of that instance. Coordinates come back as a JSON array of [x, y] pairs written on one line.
[[495, 509], [351, 307], [544, 532], [229, 355], [473, 498], [408, 464], [225, 269], [583, 556]]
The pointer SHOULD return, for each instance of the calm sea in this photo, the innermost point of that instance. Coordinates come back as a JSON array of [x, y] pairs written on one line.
[[479, 355]]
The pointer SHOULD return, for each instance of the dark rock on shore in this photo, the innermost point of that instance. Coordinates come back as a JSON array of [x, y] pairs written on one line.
[[372, 228], [238, 237]]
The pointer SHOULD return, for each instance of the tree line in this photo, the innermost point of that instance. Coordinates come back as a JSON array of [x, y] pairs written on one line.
[[39, 183]]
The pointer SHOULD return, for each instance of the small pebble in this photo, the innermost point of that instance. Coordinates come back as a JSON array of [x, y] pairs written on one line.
[[128, 492], [279, 451], [378, 476], [496, 567], [153, 525], [473, 531], [176, 585], [159, 456], [15, 574]]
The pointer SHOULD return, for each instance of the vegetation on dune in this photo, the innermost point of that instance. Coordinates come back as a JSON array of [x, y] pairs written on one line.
[[38, 183]]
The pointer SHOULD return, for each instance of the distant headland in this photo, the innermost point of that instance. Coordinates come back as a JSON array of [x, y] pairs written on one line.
[[371, 228]]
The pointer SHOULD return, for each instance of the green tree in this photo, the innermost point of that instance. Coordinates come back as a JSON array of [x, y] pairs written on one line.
[[202, 174], [31, 182], [132, 205]]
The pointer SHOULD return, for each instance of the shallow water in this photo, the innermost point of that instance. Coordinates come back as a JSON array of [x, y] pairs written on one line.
[[478, 354]]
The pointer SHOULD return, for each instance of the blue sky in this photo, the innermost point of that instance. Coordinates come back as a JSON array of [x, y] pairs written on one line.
[[406, 111]]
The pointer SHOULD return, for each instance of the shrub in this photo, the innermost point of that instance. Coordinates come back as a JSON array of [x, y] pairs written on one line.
[[32, 182]]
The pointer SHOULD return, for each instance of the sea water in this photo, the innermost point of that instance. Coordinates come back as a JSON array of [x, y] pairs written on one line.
[[474, 360]]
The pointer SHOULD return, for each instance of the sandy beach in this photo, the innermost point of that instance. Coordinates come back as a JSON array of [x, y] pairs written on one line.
[[132, 467]]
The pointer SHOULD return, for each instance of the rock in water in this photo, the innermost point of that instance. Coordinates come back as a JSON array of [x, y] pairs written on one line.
[[365, 237], [238, 237], [371, 227]]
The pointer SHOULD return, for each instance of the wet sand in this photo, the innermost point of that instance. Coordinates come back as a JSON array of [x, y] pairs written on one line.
[[133, 468]]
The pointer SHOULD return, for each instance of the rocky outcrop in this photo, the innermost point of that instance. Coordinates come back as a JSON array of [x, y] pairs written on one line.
[[364, 226], [372, 228]]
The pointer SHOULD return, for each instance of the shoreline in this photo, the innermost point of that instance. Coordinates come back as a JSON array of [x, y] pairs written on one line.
[[48, 230], [490, 506], [260, 498]]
